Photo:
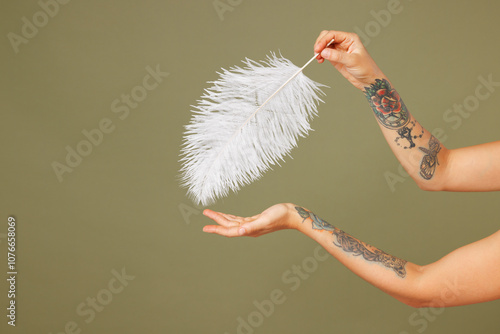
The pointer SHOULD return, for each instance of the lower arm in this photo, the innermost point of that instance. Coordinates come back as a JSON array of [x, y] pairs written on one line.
[[395, 276], [419, 152]]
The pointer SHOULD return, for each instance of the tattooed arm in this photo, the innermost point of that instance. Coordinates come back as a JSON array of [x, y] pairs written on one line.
[[427, 161], [468, 275]]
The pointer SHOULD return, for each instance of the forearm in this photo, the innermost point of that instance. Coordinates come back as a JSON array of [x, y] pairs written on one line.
[[468, 275], [395, 276], [426, 160], [422, 155]]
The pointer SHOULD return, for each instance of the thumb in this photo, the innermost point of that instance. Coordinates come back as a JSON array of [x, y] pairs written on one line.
[[244, 229], [334, 55], [250, 229]]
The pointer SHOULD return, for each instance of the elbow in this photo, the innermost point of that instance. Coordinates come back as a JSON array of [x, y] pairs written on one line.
[[439, 179], [429, 185], [423, 293], [414, 302], [438, 182], [417, 294], [432, 183], [426, 303], [421, 302]]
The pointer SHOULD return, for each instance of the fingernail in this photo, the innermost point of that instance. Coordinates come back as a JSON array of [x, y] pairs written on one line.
[[241, 231], [325, 53]]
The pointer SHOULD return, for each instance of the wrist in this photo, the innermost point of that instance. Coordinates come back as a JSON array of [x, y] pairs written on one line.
[[371, 81], [294, 221]]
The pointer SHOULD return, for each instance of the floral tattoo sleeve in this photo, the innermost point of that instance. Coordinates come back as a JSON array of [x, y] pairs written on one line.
[[392, 113]]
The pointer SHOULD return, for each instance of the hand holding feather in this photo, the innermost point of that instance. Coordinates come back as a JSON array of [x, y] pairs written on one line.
[[348, 56]]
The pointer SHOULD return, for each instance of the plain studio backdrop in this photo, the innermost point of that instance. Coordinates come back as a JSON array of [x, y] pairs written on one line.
[[94, 96]]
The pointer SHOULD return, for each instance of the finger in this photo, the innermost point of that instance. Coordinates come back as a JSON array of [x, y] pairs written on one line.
[[323, 42], [233, 220], [224, 218], [245, 229], [318, 57], [218, 217], [250, 219], [320, 37], [231, 217], [326, 36], [223, 230], [335, 56]]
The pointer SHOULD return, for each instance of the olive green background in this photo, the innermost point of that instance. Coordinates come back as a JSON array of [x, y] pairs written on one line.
[[122, 206]]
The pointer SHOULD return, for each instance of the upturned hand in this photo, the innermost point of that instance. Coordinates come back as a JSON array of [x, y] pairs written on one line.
[[277, 217]]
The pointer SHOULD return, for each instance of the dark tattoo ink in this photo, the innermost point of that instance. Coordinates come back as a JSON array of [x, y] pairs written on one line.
[[317, 223], [430, 159], [352, 245], [303, 213], [388, 107], [406, 133]]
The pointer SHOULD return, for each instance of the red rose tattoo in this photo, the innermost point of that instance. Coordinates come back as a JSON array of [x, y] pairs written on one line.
[[387, 105], [387, 101]]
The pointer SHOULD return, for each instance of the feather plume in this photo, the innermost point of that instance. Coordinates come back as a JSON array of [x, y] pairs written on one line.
[[246, 122]]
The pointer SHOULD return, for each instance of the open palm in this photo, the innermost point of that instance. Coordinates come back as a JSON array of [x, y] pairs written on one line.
[[275, 218]]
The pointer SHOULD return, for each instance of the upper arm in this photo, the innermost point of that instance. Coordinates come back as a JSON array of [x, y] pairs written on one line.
[[468, 275], [473, 168]]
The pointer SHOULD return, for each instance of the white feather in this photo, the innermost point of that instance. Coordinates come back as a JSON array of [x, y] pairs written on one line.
[[232, 139]]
